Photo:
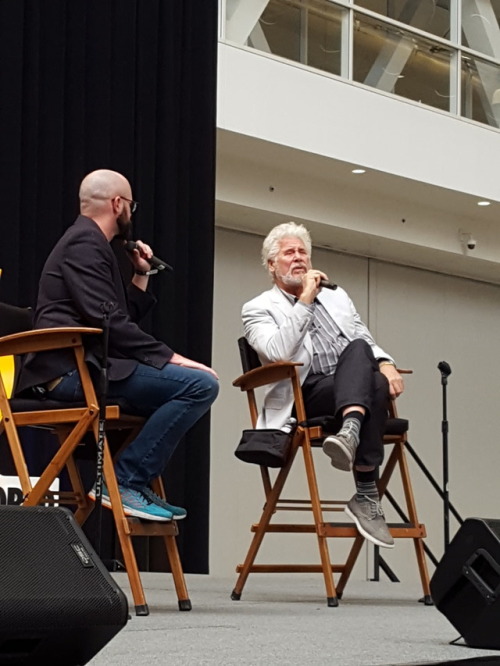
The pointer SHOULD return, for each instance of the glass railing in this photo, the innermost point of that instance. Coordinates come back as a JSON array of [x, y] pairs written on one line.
[[480, 20], [480, 90], [324, 30], [309, 33], [394, 60], [428, 15], [416, 49]]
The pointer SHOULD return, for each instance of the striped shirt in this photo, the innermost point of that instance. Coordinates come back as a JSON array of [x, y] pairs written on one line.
[[327, 339]]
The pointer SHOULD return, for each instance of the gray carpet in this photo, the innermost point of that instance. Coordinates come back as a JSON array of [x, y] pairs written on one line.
[[283, 619]]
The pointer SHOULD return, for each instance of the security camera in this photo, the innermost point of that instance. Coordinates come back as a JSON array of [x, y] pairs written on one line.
[[467, 240]]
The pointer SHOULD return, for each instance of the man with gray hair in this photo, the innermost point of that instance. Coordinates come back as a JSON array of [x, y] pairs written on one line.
[[80, 277], [344, 373]]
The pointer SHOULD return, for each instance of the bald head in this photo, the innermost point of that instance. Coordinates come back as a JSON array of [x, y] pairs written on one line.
[[99, 187]]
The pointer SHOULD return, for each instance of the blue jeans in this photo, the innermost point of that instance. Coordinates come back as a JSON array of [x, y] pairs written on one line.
[[172, 399]]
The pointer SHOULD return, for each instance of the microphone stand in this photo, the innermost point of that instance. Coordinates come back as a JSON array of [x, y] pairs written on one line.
[[445, 373], [103, 392]]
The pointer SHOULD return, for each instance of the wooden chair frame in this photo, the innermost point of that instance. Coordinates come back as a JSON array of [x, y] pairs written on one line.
[[305, 438], [70, 424]]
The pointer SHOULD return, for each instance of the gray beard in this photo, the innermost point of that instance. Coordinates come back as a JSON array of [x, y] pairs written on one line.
[[290, 280]]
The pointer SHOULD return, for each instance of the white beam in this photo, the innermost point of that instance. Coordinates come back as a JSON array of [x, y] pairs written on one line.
[[393, 57], [480, 26], [258, 39], [242, 17]]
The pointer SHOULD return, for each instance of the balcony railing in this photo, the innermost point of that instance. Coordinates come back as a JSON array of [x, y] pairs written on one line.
[[442, 53]]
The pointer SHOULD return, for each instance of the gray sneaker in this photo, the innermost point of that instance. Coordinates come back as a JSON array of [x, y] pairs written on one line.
[[341, 448], [370, 520]]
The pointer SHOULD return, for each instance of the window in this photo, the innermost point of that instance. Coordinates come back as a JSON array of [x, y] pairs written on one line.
[[410, 48]]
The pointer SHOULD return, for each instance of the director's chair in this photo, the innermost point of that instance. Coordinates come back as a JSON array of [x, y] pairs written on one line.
[[70, 423], [308, 436]]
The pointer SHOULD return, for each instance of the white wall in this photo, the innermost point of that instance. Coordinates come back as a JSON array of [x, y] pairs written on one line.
[[289, 136], [421, 318], [354, 213], [289, 104]]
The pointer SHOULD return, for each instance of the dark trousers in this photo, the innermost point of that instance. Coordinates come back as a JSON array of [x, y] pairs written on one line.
[[357, 381]]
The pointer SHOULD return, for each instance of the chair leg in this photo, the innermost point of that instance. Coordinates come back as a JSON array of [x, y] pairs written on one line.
[[262, 526], [412, 511], [177, 573], [59, 460], [331, 593], [84, 505], [124, 536], [173, 557], [349, 564], [388, 470], [398, 456], [424, 573]]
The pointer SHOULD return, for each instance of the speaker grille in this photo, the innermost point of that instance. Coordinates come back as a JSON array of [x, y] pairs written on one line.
[[465, 586], [49, 574]]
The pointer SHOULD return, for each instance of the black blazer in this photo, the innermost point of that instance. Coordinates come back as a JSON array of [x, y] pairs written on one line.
[[80, 275]]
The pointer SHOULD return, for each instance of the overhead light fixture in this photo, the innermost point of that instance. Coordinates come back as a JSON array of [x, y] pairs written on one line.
[[484, 203], [359, 171]]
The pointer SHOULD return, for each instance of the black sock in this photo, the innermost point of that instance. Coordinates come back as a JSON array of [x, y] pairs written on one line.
[[352, 422], [359, 416]]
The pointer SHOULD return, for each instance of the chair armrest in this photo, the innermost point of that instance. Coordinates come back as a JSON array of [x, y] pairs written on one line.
[[266, 374], [393, 412], [44, 339]]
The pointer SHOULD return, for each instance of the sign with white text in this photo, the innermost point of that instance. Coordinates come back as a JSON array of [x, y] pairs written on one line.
[[10, 489]]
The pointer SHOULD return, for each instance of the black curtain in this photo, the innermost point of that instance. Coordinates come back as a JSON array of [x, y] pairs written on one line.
[[128, 85]]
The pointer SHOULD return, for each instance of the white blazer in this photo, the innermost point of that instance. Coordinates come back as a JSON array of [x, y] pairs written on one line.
[[278, 331]]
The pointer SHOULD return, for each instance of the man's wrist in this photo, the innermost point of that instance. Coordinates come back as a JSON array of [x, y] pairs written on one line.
[[308, 306], [386, 361]]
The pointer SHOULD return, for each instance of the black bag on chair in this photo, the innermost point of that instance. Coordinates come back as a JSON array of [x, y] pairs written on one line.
[[268, 447]]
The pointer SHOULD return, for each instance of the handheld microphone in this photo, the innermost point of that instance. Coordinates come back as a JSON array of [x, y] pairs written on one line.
[[327, 285], [160, 265], [444, 368]]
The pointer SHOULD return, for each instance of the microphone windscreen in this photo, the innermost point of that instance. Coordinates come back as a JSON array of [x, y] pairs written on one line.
[[444, 368]]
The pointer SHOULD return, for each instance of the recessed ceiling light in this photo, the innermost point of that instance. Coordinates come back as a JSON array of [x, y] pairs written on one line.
[[483, 203], [359, 170]]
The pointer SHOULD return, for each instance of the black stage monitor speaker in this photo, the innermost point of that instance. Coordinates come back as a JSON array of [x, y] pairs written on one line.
[[466, 584], [58, 604]]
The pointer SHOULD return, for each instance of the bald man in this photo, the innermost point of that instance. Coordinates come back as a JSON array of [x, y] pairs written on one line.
[[80, 276]]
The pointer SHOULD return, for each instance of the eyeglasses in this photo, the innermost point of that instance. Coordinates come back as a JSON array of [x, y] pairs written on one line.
[[133, 204]]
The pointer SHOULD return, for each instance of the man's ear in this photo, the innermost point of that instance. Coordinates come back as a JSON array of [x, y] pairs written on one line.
[[117, 203]]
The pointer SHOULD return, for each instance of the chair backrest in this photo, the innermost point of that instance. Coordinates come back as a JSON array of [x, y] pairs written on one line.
[[249, 357], [14, 319], [250, 361]]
